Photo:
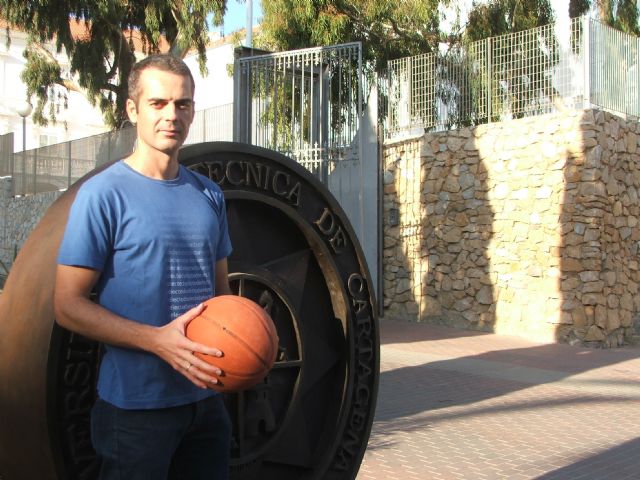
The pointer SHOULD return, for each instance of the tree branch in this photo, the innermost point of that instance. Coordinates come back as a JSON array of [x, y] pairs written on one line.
[[69, 84], [122, 40]]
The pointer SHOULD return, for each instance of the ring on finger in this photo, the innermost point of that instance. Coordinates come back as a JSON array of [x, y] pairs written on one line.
[[189, 366]]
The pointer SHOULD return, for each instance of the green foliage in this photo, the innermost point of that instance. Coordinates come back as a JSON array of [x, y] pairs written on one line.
[[388, 29], [101, 56], [38, 79], [497, 17], [623, 15], [578, 8]]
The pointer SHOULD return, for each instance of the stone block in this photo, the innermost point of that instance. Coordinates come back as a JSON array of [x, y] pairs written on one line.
[[589, 276], [609, 278], [569, 284], [594, 334], [591, 234], [600, 316], [565, 318], [593, 299], [626, 302], [403, 285], [592, 264], [431, 307], [447, 299], [626, 318], [462, 305], [589, 312], [632, 141], [571, 265], [404, 297], [613, 321], [452, 235], [593, 287], [578, 317], [485, 295], [391, 188], [412, 308], [570, 303], [613, 301], [573, 239]]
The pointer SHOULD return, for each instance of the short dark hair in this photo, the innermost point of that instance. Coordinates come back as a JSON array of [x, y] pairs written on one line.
[[163, 62]]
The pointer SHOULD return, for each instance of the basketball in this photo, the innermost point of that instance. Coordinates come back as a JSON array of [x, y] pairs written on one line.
[[246, 335]]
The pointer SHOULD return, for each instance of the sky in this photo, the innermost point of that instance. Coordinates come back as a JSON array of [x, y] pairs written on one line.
[[236, 16]]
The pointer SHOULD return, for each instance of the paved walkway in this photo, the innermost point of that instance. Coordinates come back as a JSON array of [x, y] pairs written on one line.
[[455, 404]]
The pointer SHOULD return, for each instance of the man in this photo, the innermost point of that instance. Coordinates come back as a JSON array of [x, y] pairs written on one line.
[[151, 238]]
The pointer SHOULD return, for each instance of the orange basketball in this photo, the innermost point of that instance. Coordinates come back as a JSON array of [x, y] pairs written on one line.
[[246, 335]]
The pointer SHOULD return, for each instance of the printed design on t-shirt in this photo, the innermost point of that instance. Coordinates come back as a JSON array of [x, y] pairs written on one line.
[[189, 265]]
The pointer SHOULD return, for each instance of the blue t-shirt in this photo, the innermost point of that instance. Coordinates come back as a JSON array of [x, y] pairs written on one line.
[[156, 243]]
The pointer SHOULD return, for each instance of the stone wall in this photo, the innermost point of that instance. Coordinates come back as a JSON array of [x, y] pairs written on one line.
[[18, 217], [527, 227], [5, 194]]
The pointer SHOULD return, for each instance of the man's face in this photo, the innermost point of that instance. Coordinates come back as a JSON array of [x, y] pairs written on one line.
[[164, 110]]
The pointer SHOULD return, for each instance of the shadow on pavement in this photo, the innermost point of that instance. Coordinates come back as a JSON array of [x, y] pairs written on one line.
[[597, 467], [426, 368]]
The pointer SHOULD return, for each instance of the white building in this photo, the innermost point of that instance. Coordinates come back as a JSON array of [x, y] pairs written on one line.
[[80, 119], [217, 88]]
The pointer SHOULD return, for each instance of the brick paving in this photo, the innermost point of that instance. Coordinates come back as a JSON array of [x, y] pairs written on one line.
[[455, 404]]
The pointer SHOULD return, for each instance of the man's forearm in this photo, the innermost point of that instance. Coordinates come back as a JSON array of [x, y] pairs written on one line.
[[87, 318]]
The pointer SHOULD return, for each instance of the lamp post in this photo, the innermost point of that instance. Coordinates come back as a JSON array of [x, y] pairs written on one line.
[[249, 24], [24, 110]]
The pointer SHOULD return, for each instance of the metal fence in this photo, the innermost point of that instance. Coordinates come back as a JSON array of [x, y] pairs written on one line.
[[521, 74], [211, 125], [304, 103], [6, 153], [614, 70], [56, 167]]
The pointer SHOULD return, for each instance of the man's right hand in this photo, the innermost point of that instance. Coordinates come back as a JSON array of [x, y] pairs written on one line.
[[175, 348]]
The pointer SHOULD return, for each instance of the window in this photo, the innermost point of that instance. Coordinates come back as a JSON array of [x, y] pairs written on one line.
[[47, 139]]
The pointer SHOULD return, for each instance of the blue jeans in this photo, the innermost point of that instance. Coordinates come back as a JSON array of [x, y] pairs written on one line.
[[186, 442]]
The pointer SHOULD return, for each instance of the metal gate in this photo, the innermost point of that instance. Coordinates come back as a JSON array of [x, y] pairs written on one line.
[[309, 105]]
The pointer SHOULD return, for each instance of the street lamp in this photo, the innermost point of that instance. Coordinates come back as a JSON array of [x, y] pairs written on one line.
[[24, 110]]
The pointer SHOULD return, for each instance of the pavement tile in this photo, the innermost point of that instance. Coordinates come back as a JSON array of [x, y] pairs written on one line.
[[466, 405]]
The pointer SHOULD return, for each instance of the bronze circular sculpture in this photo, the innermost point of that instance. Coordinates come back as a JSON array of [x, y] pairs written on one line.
[[295, 254]]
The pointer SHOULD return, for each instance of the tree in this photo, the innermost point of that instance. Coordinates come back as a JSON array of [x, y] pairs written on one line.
[[622, 15], [100, 38], [498, 17], [387, 28]]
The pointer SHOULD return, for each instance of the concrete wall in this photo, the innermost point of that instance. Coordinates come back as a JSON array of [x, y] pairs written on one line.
[[527, 227]]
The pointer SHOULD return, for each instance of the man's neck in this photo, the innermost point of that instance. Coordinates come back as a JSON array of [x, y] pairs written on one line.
[[156, 165]]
